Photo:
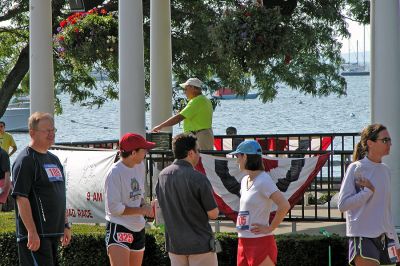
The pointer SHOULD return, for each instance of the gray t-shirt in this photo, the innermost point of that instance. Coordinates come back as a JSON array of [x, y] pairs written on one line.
[[185, 196]]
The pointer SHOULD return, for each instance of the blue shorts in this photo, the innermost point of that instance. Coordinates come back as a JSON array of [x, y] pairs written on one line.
[[118, 235], [375, 249]]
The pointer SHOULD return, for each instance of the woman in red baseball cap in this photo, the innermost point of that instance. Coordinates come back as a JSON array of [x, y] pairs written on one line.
[[124, 202]]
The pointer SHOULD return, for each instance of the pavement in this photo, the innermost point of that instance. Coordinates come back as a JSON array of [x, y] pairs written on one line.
[[309, 228]]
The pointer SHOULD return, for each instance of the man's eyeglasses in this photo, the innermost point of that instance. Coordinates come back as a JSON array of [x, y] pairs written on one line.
[[385, 140], [48, 131]]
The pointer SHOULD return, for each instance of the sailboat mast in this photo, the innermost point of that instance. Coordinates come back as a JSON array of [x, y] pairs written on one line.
[[364, 46], [357, 52], [349, 52]]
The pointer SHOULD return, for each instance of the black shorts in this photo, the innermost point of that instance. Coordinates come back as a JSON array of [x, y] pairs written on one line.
[[45, 255], [375, 249], [119, 235]]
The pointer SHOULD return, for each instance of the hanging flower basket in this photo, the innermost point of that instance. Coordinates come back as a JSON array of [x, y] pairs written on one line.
[[251, 35], [88, 37]]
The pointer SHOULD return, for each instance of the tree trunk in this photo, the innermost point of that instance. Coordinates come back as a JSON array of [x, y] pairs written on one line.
[[21, 67], [13, 79]]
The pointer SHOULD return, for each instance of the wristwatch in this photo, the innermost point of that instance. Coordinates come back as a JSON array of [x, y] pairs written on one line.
[[67, 225]]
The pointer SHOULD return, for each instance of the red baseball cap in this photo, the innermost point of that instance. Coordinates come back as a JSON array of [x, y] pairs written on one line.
[[133, 141]]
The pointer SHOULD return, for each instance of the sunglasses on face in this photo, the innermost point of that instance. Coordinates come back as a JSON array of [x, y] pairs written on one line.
[[385, 140]]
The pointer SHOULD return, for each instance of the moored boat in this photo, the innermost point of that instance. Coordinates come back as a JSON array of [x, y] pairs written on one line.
[[17, 114], [229, 94]]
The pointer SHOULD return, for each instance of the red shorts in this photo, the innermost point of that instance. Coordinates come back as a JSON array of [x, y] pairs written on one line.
[[253, 251]]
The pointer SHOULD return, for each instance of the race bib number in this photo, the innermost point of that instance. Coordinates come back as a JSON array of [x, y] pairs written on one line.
[[125, 237], [243, 220], [392, 251], [53, 173]]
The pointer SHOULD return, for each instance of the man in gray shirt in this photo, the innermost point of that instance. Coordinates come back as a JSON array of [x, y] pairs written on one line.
[[187, 203]]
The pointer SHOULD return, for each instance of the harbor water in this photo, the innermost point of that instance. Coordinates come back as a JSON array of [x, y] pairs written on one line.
[[290, 112]]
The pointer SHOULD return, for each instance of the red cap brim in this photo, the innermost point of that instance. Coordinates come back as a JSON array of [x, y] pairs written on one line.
[[149, 145]]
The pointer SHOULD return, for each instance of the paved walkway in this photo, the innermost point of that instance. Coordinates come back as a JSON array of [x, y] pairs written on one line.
[[311, 228]]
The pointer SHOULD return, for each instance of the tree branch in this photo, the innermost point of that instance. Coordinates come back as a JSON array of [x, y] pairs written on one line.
[[13, 12], [14, 32]]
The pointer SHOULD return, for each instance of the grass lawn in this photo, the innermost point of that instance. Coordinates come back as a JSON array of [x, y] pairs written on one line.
[[7, 224]]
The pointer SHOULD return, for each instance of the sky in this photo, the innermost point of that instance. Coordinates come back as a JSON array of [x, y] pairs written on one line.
[[356, 31]]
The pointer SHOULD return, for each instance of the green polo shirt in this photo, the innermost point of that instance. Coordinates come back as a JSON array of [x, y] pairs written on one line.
[[198, 114], [6, 141]]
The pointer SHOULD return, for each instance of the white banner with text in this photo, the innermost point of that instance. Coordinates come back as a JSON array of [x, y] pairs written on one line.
[[85, 174]]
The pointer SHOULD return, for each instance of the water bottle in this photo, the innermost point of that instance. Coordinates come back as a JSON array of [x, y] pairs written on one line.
[[159, 219]]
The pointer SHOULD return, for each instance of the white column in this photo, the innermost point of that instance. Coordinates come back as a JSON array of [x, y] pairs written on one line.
[[131, 67], [385, 84], [41, 80], [160, 61]]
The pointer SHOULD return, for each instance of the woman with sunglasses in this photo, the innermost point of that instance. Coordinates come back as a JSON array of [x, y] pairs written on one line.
[[256, 244], [365, 197]]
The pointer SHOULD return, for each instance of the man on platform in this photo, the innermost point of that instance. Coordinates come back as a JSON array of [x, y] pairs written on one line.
[[187, 203], [7, 140], [39, 190], [196, 116], [5, 181]]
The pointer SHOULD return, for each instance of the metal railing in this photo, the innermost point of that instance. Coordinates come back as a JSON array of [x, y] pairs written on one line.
[[325, 185]]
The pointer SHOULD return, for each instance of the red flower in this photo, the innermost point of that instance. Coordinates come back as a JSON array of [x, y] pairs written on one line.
[[90, 11], [247, 14], [73, 21], [103, 11], [288, 58], [61, 38], [76, 30], [63, 23]]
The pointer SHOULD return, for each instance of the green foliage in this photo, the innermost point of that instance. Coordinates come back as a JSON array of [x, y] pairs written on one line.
[[86, 43], [325, 197], [306, 250], [11, 45], [8, 249], [229, 249], [88, 249], [250, 35], [223, 43], [7, 222], [87, 38], [85, 249], [360, 10], [322, 199], [155, 253], [300, 50]]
